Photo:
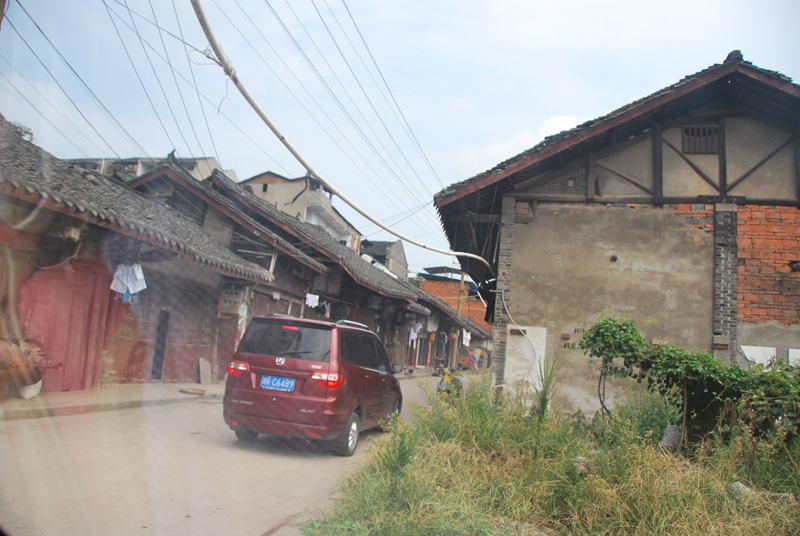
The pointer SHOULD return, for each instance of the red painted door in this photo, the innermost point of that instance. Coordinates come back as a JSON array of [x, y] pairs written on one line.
[[64, 308]]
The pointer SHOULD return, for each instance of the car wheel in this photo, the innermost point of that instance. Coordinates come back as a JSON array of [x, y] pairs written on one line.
[[398, 406], [246, 436], [348, 441]]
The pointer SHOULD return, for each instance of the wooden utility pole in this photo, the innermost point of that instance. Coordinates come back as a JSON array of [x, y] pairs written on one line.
[[460, 294]]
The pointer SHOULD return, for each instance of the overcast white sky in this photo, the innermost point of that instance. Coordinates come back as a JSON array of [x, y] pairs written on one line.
[[477, 82]]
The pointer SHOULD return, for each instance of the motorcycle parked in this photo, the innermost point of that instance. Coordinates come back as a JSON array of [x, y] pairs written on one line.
[[438, 366]]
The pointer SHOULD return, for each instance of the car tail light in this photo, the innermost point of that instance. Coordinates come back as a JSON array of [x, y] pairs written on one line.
[[290, 328], [331, 380], [236, 368]]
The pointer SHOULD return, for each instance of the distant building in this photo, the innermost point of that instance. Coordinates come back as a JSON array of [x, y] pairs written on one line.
[[199, 168], [467, 301], [391, 255], [307, 200]]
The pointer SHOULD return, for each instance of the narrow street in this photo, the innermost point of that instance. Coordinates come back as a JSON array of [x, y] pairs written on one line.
[[171, 469]]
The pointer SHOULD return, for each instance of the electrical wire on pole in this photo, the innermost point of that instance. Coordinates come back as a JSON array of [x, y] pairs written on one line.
[[223, 62]]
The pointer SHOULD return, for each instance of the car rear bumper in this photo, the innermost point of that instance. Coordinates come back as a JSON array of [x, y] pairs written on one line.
[[332, 425]]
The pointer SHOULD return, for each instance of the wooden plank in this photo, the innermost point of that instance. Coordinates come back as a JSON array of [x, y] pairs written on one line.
[[626, 178], [722, 112], [635, 199], [658, 164], [693, 166], [590, 176], [797, 161], [763, 161], [468, 226], [532, 196], [723, 158], [471, 217]]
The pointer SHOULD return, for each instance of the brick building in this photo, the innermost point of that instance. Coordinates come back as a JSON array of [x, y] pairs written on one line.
[[679, 209], [464, 299]]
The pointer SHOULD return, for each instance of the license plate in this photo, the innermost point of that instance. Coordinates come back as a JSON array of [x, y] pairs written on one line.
[[276, 383]]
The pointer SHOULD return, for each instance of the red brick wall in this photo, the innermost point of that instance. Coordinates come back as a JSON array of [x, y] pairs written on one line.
[[698, 215], [471, 308], [769, 240]]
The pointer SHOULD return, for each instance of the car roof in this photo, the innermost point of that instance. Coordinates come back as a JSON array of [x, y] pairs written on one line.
[[346, 324]]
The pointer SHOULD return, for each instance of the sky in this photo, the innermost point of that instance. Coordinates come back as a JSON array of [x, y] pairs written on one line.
[[390, 101]]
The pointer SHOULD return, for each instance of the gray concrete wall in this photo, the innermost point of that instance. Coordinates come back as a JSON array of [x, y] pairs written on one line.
[[574, 263], [772, 334]]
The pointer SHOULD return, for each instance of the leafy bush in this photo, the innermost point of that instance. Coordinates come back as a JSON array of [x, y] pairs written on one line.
[[768, 400]]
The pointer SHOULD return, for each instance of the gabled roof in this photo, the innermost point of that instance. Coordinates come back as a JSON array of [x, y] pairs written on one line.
[[205, 190], [360, 270], [774, 94], [31, 173]]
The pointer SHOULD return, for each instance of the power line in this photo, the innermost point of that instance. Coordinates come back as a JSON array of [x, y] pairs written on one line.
[[42, 114], [136, 71], [398, 221], [194, 80], [185, 43], [369, 126], [59, 85], [79, 131], [425, 156], [174, 79], [160, 86], [368, 177], [203, 96], [225, 63], [333, 95], [405, 215], [366, 96], [86, 87]]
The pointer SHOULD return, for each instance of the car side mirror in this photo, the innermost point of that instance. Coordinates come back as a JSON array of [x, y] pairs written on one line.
[[396, 368]]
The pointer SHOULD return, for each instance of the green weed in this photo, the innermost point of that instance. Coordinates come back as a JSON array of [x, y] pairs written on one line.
[[485, 464]]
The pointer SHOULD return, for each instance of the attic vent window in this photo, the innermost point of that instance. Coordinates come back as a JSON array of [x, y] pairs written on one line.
[[264, 187], [700, 139]]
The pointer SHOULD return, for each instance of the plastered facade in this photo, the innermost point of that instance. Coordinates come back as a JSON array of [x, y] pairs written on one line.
[[574, 263], [697, 275]]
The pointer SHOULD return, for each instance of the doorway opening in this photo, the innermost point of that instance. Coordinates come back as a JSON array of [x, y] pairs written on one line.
[[160, 346]]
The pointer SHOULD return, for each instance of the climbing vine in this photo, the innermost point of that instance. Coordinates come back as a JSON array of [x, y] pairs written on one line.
[[766, 399]]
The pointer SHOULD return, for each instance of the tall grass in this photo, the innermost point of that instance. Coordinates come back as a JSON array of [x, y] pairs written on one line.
[[482, 464]]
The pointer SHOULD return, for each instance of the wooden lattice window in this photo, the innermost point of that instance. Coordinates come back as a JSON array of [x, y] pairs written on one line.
[[700, 139]]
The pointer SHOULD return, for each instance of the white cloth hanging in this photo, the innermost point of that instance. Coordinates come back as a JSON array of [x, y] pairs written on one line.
[[130, 278], [312, 300]]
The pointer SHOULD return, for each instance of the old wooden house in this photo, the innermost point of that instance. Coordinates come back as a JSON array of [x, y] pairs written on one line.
[[68, 235], [204, 257], [680, 208]]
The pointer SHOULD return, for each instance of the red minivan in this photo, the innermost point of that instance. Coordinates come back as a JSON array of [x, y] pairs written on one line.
[[305, 378]]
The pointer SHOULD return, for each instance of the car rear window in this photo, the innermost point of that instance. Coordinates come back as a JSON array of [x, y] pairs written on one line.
[[287, 340]]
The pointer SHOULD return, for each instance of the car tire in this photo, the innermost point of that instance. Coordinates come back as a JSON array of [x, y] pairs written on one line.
[[246, 436], [348, 441], [398, 406]]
